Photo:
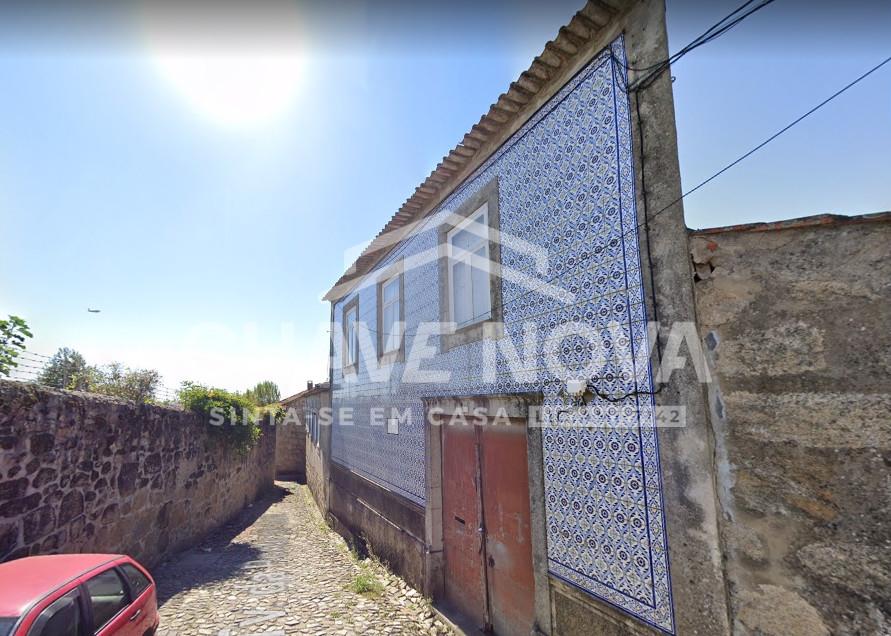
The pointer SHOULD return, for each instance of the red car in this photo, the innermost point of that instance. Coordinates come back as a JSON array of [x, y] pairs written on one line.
[[77, 595]]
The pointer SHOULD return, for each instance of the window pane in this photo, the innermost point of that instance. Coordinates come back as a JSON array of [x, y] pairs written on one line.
[[136, 579], [481, 297], [352, 342], [391, 290], [464, 240], [390, 327], [61, 618], [461, 293], [107, 596]]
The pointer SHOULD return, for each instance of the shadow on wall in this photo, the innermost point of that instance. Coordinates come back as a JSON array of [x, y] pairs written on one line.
[[216, 558]]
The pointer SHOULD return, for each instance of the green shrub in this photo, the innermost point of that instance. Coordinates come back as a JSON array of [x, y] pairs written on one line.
[[272, 414], [366, 583], [229, 415]]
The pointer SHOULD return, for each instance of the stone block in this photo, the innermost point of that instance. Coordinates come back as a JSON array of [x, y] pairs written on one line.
[[44, 477], [41, 443], [19, 506], [13, 489], [72, 506], [127, 478], [38, 523]]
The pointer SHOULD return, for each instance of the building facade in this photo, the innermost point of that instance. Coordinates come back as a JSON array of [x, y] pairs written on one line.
[[315, 403], [290, 444], [508, 430], [536, 248]]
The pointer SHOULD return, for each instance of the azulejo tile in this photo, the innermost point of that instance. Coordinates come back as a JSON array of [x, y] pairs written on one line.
[[566, 184]]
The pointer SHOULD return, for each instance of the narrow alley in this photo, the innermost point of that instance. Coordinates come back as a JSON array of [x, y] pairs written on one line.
[[279, 570]]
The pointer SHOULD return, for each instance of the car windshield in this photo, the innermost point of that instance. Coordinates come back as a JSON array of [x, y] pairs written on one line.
[[6, 625]]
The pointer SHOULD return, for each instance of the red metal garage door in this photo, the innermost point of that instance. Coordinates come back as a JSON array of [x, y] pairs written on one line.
[[508, 535], [461, 522], [486, 534]]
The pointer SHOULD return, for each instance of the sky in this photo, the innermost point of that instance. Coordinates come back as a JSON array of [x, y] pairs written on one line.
[[202, 178]]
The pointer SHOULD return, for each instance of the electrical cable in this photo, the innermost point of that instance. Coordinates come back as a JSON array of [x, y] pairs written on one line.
[[774, 136]]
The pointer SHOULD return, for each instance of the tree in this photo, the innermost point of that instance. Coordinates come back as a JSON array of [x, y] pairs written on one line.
[[65, 370], [264, 393], [117, 380], [13, 332]]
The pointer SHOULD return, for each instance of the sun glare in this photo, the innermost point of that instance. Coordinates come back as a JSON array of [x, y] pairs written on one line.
[[228, 74], [239, 89]]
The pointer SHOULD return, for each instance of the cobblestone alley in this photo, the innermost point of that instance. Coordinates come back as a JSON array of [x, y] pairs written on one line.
[[279, 570]]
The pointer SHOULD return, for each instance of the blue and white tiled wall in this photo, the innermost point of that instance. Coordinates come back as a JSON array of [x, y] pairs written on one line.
[[566, 183]]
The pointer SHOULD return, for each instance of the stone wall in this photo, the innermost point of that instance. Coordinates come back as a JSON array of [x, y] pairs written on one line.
[[318, 451], [290, 450], [85, 473], [796, 320]]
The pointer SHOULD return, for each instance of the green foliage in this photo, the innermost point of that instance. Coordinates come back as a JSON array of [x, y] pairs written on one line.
[[263, 393], [116, 380], [68, 369], [228, 414], [273, 414], [366, 583], [64, 369], [13, 332]]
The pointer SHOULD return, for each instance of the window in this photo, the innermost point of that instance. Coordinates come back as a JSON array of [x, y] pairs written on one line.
[[470, 297], [107, 597], [390, 314], [137, 580], [314, 427], [351, 336], [62, 618], [470, 270], [392, 329]]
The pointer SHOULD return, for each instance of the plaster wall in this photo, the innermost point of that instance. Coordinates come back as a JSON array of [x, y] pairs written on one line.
[[797, 327]]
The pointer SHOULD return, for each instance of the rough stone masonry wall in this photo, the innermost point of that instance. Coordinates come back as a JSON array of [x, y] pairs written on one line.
[[290, 450], [797, 326], [85, 473]]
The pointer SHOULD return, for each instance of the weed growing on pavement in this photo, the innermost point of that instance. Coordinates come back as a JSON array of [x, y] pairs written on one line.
[[366, 583]]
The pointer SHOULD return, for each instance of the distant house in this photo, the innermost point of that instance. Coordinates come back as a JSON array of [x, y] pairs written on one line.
[[291, 438], [316, 401], [503, 430]]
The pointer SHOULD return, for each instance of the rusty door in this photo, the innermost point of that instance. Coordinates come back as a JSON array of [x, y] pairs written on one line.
[[505, 478], [462, 522], [486, 530]]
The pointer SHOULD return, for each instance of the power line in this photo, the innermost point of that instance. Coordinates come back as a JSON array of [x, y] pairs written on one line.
[[774, 136], [715, 31]]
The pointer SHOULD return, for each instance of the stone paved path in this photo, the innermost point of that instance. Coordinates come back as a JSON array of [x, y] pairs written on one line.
[[279, 570]]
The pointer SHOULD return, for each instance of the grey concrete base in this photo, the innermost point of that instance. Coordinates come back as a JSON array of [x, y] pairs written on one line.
[[371, 517]]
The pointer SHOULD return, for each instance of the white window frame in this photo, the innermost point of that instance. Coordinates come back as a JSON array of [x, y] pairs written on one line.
[[397, 324], [471, 259], [351, 340]]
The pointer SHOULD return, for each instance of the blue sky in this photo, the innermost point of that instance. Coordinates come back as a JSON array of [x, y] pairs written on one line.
[[208, 240]]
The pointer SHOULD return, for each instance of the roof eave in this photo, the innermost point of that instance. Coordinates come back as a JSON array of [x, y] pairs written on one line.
[[576, 43]]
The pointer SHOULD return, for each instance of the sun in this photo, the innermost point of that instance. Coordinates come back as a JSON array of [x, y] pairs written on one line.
[[233, 79]]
